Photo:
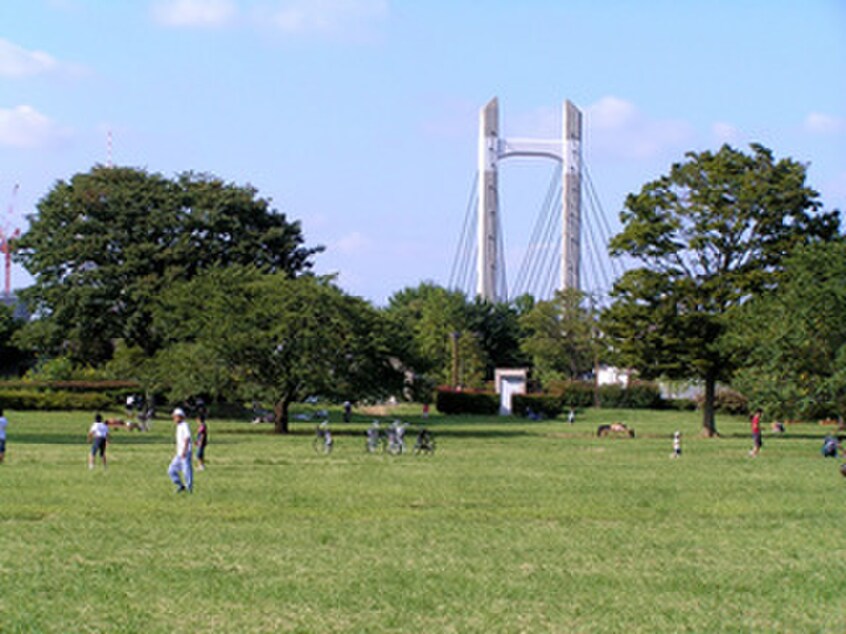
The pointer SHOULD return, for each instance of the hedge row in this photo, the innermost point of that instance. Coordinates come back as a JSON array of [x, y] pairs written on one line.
[[567, 395], [453, 402], [539, 404], [62, 400], [581, 394]]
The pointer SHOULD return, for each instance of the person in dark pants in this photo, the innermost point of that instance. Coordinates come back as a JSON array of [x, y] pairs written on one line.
[[202, 441]]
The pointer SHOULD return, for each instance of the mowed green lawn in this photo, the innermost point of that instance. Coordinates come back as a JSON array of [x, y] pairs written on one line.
[[510, 527]]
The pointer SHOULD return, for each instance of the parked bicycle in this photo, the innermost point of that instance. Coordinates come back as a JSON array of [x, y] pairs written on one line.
[[425, 443], [396, 438], [322, 442], [375, 440]]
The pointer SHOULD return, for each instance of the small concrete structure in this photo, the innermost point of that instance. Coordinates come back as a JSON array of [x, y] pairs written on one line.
[[509, 381]]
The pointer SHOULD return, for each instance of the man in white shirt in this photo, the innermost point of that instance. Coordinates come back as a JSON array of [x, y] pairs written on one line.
[[3, 424], [98, 436], [182, 460]]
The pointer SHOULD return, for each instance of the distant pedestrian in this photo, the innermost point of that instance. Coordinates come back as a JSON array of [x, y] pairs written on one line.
[[676, 445], [98, 436], [425, 410], [347, 411], [3, 424], [182, 460], [757, 441], [202, 441], [571, 417]]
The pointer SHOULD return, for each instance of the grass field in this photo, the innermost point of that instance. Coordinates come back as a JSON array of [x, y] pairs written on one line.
[[510, 527]]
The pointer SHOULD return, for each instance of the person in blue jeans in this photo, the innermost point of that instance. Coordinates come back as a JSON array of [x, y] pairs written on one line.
[[182, 460]]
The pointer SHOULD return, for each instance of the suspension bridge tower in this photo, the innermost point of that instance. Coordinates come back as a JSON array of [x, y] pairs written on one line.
[[492, 148]]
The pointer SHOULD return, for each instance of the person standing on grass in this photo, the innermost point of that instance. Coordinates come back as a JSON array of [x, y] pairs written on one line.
[[98, 436], [202, 441], [757, 442], [182, 460], [3, 424]]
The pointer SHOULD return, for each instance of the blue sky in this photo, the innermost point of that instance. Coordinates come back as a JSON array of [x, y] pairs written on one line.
[[359, 117]]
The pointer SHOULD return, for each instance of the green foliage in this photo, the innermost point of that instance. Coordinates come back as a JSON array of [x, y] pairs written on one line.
[[709, 236], [728, 401], [105, 244], [791, 342], [424, 322], [450, 402], [544, 405], [573, 394], [18, 399], [12, 358], [272, 338], [560, 337]]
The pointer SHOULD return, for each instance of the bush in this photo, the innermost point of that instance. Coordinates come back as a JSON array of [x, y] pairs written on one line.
[[546, 406], [681, 404], [727, 401], [453, 402], [642, 395], [573, 394], [36, 400]]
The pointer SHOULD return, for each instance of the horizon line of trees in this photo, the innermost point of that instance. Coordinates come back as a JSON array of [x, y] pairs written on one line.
[[195, 286]]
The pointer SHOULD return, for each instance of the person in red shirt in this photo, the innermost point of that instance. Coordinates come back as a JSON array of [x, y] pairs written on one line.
[[755, 421]]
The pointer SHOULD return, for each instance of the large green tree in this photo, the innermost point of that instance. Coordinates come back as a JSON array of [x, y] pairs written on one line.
[[104, 244], [707, 237], [279, 339], [431, 325], [12, 359], [791, 343], [561, 337]]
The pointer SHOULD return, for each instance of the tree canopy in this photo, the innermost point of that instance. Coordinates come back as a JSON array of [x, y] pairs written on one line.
[[791, 343], [103, 245], [279, 339], [708, 236]]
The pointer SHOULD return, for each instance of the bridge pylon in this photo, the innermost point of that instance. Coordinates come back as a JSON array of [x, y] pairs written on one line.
[[492, 148]]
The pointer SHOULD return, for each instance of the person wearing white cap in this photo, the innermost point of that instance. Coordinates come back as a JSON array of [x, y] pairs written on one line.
[[182, 460]]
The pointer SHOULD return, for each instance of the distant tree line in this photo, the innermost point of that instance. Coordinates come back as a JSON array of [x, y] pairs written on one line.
[[195, 286]]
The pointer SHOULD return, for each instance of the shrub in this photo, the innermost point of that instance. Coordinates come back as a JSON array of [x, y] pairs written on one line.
[[727, 401], [453, 402], [573, 394], [36, 400], [545, 405], [643, 395]]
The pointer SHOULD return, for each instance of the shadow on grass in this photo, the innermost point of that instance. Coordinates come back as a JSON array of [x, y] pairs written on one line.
[[351, 430], [77, 439]]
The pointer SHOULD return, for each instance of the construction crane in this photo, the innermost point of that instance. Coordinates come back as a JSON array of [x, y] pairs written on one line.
[[6, 239]]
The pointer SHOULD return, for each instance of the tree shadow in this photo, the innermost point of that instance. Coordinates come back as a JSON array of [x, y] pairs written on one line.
[[78, 439]]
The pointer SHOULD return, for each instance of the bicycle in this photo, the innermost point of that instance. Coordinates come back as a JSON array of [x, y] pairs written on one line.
[[396, 438], [425, 443], [322, 442], [374, 441]]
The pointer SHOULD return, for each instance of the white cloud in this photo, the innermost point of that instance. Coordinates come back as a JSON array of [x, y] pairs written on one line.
[[615, 127], [819, 123], [328, 17], [25, 127], [195, 13], [19, 62]]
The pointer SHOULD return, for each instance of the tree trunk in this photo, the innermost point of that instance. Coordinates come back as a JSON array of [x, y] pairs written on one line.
[[280, 415], [709, 425]]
